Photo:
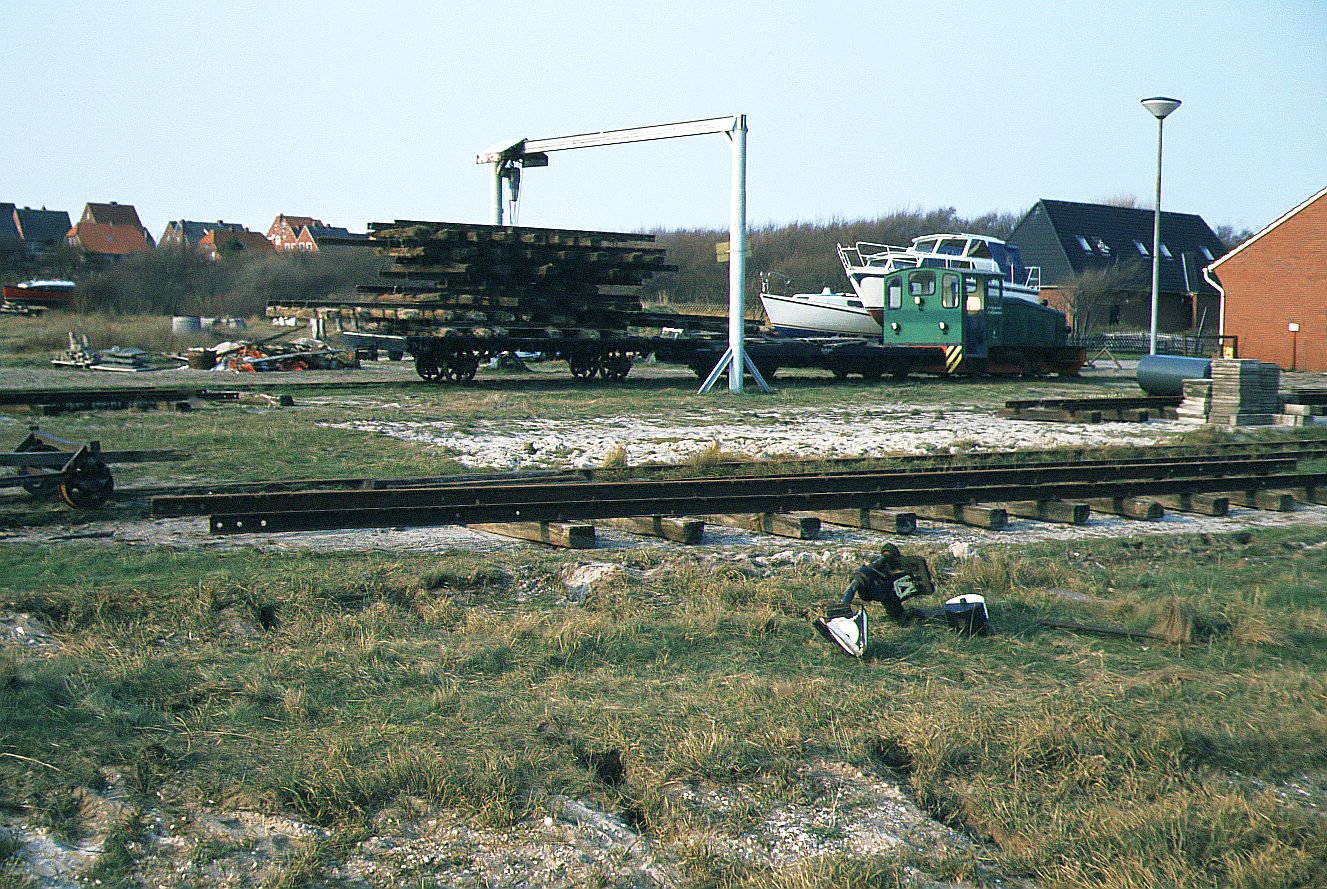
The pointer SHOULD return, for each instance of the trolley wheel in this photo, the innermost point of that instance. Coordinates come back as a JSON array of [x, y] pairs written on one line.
[[88, 486], [428, 368], [43, 486], [582, 367]]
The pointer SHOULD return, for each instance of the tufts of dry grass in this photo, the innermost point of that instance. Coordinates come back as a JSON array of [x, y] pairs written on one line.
[[615, 457], [46, 335]]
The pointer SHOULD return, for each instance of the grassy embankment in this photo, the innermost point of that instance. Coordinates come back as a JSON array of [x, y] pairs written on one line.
[[329, 687], [34, 341]]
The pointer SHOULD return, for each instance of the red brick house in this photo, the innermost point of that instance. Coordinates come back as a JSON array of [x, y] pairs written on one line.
[[109, 241], [219, 243], [315, 238], [285, 230], [1274, 289], [118, 215]]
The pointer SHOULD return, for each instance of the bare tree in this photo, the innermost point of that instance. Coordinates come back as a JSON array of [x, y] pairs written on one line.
[[1088, 293]]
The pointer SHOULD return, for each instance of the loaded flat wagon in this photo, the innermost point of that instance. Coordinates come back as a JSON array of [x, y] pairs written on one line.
[[456, 295]]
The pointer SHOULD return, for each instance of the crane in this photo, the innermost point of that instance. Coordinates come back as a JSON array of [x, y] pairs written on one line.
[[509, 158]]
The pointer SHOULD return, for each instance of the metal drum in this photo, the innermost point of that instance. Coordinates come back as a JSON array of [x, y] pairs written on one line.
[[1165, 374]]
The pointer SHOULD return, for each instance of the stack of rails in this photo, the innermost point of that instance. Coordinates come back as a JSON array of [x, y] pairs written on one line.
[[489, 282]]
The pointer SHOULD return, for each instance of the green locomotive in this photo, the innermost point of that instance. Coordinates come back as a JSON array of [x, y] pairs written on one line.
[[963, 322]]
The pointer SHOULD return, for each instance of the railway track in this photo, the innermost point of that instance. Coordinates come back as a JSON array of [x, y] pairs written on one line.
[[1037, 489], [1299, 449]]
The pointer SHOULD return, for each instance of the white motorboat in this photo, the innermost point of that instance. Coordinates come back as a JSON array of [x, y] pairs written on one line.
[[866, 263], [820, 314]]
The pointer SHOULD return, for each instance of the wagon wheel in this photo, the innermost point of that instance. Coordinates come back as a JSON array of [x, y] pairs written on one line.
[[582, 367], [460, 368], [839, 373], [88, 485], [872, 374], [427, 368], [615, 368]]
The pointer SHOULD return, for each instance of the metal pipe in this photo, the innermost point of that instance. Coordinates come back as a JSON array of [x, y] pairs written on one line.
[[497, 192], [1156, 246], [737, 260]]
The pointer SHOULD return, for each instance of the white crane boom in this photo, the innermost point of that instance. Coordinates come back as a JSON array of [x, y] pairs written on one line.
[[507, 159]]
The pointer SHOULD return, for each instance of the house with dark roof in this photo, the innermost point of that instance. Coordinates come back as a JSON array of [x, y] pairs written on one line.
[[316, 238], [41, 229], [284, 230], [219, 243], [1074, 243], [9, 236], [186, 233], [1274, 289]]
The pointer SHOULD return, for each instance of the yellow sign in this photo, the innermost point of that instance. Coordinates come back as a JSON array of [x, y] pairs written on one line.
[[723, 251]]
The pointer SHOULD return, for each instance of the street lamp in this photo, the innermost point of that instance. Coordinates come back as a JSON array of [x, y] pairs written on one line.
[[1160, 106]]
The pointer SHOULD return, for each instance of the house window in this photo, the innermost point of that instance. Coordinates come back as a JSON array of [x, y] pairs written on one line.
[[1142, 248], [896, 293], [1082, 242]]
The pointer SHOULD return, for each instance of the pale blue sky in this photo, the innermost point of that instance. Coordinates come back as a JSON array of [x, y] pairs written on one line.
[[373, 111]]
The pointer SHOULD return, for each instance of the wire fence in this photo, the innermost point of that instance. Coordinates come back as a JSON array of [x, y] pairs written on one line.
[[1205, 345]]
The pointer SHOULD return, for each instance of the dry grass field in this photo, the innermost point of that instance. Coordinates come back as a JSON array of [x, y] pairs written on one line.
[[192, 716]]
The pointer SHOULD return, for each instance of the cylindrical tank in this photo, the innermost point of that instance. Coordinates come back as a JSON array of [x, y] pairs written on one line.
[[185, 324], [1165, 374]]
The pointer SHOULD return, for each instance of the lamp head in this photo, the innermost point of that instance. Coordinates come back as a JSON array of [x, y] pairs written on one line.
[[1160, 106]]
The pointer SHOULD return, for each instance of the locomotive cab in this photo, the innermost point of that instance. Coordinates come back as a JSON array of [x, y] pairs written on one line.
[[965, 318]]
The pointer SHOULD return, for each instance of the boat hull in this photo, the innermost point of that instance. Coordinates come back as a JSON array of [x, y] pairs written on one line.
[[807, 317], [46, 296]]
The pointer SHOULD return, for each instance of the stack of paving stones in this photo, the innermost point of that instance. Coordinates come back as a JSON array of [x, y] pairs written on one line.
[[1306, 406], [458, 279], [1197, 402], [1245, 392]]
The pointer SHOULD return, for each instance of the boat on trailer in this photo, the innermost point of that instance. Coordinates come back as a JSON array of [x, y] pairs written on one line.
[[866, 264], [861, 313]]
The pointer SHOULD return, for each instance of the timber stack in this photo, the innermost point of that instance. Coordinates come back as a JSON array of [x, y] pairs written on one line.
[[451, 279]]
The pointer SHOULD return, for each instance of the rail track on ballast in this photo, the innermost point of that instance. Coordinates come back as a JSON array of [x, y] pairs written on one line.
[[1244, 474]]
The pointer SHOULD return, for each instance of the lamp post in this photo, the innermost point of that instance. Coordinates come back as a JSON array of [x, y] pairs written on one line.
[[1160, 106]]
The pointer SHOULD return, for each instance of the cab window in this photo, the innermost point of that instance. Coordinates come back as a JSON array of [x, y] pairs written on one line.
[[921, 284], [949, 292], [896, 293]]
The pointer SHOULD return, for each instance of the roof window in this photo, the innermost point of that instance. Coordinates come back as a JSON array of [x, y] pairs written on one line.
[[1165, 251], [1142, 248], [1206, 252], [1103, 247], [1082, 242]]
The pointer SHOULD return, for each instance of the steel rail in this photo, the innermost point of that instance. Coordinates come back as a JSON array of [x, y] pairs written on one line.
[[663, 489], [693, 503], [1231, 451], [198, 499]]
